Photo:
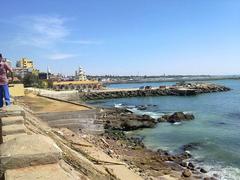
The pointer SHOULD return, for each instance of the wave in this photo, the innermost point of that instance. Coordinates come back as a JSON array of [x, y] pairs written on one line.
[[222, 172]]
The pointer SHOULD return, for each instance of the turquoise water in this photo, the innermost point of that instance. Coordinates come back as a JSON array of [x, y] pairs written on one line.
[[216, 126]]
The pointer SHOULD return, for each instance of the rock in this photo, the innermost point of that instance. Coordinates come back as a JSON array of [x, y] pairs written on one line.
[[141, 107], [209, 178], [191, 166], [121, 119], [183, 164], [189, 116], [191, 146], [203, 170], [186, 173], [174, 166], [134, 124], [176, 117], [161, 119]]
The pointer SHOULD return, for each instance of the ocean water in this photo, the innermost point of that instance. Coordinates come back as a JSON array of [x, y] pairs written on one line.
[[216, 127]]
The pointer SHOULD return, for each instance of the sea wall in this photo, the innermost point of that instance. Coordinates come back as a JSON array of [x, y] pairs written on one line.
[[184, 90], [72, 95], [83, 121]]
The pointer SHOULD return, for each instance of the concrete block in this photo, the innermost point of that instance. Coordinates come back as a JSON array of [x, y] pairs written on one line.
[[16, 90], [45, 172], [29, 150], [12, 120], [13, 136], [13, 129]]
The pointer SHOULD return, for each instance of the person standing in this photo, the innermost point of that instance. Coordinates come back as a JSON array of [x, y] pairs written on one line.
[[4, 90]]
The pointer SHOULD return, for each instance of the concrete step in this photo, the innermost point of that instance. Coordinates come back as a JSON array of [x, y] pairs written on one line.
[[13, 136], [69, 121], [83, 114], [28, 150], [13, 129], [45, 172], [12, 120], [12, 110]]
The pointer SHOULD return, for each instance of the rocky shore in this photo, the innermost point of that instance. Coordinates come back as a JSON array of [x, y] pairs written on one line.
[[125, 120], [130, 149], [185, 89]]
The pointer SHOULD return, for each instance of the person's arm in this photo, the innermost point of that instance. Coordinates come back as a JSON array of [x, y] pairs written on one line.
[[8, 68]]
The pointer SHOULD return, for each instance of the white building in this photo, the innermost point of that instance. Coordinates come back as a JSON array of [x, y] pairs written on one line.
[[80, 75]]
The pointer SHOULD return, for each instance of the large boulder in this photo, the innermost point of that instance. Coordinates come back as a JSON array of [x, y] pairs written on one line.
[[176, 117], [123, 119]]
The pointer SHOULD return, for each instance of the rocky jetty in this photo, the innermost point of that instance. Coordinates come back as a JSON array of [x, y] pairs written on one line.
[[186, 89]]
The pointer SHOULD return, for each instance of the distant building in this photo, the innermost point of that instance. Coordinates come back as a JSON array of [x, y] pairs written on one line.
[[25, 63], [77, 82], [25, 66], [80, 75]]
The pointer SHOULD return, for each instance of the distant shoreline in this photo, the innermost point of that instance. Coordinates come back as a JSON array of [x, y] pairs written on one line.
[[156, 80]]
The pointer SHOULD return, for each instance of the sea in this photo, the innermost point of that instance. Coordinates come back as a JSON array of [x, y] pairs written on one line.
[[215, 130]]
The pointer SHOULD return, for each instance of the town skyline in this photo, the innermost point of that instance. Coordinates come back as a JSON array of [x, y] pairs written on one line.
[[124, 38]]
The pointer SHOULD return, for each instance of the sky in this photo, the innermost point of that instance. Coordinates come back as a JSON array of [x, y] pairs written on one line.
[[124, 37]]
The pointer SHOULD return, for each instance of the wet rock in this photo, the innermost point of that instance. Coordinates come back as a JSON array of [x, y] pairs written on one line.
[[141, 107], [174, 166], [183, 164], [210, 178], [191, 166], [162, 119], [186, 173], [176, 117], [203, 170], [191, 146], [122, 119]]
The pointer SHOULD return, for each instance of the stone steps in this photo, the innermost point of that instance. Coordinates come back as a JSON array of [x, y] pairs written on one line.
[[12, 120], [29, 150], [28, 157], [12, 110], [50, 171], [12, 136], [13, 129]]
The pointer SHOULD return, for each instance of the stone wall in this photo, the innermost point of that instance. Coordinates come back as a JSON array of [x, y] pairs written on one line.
[[59, 95], [85, 120]]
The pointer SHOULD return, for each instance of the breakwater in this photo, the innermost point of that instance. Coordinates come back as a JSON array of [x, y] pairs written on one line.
[[188, 89]]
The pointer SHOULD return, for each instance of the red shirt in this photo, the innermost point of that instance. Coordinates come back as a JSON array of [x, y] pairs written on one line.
[[4, 67]]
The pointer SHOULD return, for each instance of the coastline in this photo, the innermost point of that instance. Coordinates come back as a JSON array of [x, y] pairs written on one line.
[[134, 153], [156, 80], [147, 163], [160, 162]]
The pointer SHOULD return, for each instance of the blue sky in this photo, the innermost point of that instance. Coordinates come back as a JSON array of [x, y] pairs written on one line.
[[125, 37]]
